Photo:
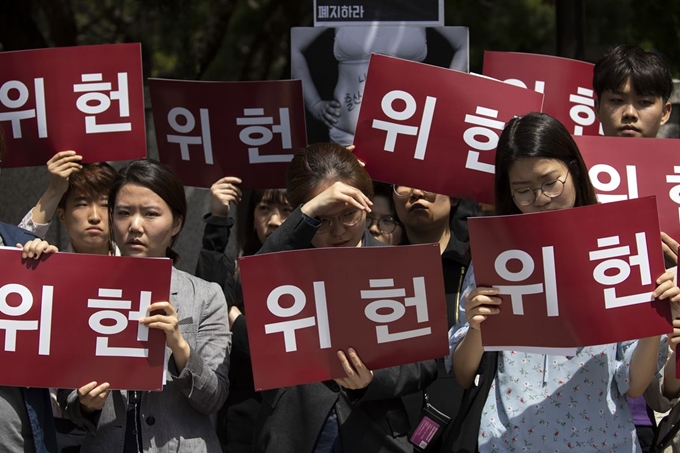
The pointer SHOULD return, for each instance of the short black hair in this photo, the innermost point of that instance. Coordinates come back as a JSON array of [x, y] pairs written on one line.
[[648, 71], [160, 179]]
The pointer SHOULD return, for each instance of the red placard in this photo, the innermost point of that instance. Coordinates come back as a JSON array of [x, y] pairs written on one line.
[[88, 98], [433, 128], [580, 276], [622, 168], [567, 85], [319, 301], [207, 130], [49, 311]]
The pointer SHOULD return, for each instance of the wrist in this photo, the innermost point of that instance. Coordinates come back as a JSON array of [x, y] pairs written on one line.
[[308, 209], [181, 349], [56, 190]]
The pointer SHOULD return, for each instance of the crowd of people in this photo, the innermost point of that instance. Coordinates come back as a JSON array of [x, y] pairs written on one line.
[[600, 399]]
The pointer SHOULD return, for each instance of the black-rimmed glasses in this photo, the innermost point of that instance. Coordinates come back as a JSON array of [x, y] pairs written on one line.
[[386, 225]]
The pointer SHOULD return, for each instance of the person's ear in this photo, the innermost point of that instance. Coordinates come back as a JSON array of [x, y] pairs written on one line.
[[61, 215], [666, 114], [176, 225], [597, 109]]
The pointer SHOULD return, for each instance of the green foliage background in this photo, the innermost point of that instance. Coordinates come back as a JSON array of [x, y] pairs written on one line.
[[249, 39]]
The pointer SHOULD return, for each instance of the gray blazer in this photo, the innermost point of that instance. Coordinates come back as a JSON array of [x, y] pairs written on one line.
[[177, 418]]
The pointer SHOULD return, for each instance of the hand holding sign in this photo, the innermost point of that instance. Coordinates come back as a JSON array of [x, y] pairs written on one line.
[[35, 248], [92, 397], [668, 290], [481, 303], [670, 247], [60, 167], [166, 319], [223, 193], [358, 376]]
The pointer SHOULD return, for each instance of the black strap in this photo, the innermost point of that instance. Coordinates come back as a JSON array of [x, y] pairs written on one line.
[[667, 439]]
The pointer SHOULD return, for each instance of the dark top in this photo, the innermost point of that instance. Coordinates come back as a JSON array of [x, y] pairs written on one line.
[[371, 420], [236, 419], [445, 393]]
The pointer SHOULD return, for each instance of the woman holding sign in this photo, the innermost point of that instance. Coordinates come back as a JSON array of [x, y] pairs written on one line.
[[550, 402], [362, 411], [147, 208]]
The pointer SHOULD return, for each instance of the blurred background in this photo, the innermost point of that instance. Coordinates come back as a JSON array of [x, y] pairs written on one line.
[[250, 40]]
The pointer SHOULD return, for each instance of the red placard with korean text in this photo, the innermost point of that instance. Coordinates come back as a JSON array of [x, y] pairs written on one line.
[[623, 168], [573, 277], [567, 85], [74, 316], [433, 128], [87, 98], [305, 305], [207, 130]]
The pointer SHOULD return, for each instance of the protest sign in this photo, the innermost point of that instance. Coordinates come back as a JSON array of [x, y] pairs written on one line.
[[623, 168], [320, 301], [573, 277], [434, 128], [87, 98], [75, 316], [360, 12], [207, 130], [567, 85]]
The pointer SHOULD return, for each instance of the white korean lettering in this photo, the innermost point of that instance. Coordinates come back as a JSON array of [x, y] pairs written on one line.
[[614, 181], [95, 89], [189, 124], [484, 125], [256, 134], [22, 97], [516, 292], [394, 129], [288, 328]]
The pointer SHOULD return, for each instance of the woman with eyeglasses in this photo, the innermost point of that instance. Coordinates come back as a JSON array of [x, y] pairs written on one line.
[[363, 411], [550, 402], [382, 221]]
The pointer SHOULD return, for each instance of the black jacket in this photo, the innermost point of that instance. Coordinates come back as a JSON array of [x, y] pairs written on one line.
[[371, 420]]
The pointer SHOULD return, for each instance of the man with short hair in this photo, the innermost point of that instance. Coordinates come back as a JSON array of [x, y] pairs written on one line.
[[633, 87]]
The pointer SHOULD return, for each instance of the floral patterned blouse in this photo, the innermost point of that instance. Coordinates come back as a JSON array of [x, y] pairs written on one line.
[[550, 403]]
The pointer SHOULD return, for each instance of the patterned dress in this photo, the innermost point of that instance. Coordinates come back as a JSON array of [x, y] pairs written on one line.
[[550, 403]]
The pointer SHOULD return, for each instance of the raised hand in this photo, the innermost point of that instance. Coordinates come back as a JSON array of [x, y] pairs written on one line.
[[224, 192]]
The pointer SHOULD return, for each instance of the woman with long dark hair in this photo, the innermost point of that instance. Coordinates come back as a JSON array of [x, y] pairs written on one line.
[[550, 402]]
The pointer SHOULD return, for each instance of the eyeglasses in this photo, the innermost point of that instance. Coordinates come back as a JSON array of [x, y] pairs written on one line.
[[347, 218], [386, 225], [552, 189], [405, 192]]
